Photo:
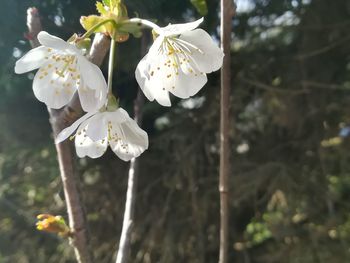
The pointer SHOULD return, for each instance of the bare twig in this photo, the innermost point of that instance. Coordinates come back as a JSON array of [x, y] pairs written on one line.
[[324, 49], [124, 242], [227, 12], [263, 86], [60, 119]]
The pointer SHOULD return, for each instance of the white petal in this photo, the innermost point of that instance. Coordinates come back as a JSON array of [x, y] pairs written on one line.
[[160, 94], [130, 140], [84, 146], [210, 56], [55, 83], [54, 90], [120, 115], [187, 85], [56, 43], [141, 74], [65, 133], [155, 48], [34, 59], [91, 99], [143, 68], [176, 74], [151, 85], [177, 29], [91, 74], [97, 127]]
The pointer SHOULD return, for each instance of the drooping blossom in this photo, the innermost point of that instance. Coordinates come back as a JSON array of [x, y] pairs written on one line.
[[63, 70], [95, 131], [177, 62]]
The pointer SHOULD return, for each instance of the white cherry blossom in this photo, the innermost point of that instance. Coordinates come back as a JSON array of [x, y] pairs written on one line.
[[62, 71], [177, 62], [97, 130]]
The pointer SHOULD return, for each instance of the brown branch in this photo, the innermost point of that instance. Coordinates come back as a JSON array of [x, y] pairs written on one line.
[[227, 13], [60, 119]]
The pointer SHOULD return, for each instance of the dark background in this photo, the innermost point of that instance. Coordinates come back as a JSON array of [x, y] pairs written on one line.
[[290, 182]]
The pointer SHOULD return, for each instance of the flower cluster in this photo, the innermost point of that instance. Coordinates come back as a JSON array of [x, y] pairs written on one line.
[[176, 63], [63, 70]]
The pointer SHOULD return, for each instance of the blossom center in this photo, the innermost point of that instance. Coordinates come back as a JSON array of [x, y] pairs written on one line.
[[176, 55], [113, 136], [61, 71]]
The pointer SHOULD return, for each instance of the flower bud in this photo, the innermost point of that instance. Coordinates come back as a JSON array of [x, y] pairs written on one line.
[[53, 224]]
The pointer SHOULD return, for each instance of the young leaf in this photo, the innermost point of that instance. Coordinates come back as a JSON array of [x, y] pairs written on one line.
[[90, 21], [106, 2], [101, 8], [111, 3], [201, 6]]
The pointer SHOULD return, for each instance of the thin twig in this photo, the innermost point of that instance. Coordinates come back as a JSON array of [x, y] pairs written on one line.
[[227, 12], [324, 49], [60, 119], [124, 242]]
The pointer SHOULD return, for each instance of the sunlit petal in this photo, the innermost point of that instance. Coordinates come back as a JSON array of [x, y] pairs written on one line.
[[57, 43], [97, 127], [84, 146], [177, 29], [127, 139], [91, 74], [91, 99], [65, 133], [52, 87], [208, 56], [34, 59]]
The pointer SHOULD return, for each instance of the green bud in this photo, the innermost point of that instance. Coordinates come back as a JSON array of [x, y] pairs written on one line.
[[84, 44], [113, 103]]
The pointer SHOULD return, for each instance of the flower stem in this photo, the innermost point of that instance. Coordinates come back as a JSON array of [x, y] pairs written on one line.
[[143, 22], [111, 66]]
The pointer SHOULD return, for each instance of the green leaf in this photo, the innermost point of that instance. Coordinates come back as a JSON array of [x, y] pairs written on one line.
[[106, 2], [90, 21], [111, 3], [201, 6], [101, 8]]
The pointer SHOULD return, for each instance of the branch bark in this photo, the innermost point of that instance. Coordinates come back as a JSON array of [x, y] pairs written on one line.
[[60, 119], [124, 242], [227, 12]]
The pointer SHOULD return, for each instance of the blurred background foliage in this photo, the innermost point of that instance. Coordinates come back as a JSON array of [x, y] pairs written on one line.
[[290, 184]]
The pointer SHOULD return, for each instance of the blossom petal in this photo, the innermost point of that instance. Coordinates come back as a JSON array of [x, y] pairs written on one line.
[[91, 99], [152, 86], [34, 59], [177, 29], [97, 127], [65, 133], [160, 94], [208, 56], [173, 73], [91, 74], [141, 75], [131, 140], [187, 85], [84, 146], [142, 72], [57, 43], [52, 89]]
